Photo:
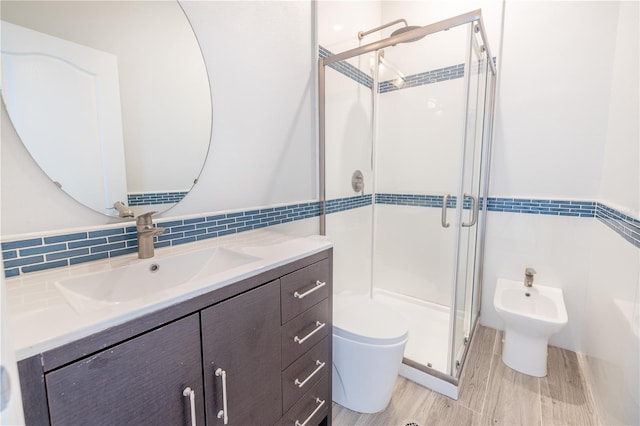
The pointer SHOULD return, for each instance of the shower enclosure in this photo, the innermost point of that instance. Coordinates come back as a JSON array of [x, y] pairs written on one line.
[[405, 136]]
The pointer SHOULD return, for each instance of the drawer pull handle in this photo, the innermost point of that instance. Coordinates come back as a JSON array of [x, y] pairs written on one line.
[[224, 413], [318, 286], [320, 403], [192, 400], [319, 326], [302, 383]]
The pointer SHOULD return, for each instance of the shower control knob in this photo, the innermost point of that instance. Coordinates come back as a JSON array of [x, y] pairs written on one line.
[[357, 182]]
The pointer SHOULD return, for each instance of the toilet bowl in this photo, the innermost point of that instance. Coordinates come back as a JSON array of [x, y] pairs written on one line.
[[531, 316], [368, 346]]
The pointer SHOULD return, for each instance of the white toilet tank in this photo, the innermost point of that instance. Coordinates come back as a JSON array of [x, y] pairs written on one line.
[[368, 346]]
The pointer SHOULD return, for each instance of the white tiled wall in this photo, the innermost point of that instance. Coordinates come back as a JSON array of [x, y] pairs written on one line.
[[611, 337], [414, 254], [611, 333], [558, 247]]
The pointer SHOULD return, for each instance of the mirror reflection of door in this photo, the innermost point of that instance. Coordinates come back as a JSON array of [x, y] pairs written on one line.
[[165, 106], [64, 101]]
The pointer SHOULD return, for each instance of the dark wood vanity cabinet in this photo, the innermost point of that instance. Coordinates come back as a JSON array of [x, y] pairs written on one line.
[[140, 381], [238, 338], [306, 344], [253, 353]]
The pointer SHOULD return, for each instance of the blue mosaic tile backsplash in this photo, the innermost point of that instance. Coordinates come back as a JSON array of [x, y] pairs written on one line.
[[429, 77], [148, 198], [548, 207], [36, 254]]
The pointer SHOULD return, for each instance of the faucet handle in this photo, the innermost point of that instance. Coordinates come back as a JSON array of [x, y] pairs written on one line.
[[145, 218], [529, 272]]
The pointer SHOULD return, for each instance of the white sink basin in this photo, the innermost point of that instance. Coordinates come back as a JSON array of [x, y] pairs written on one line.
[[143, 278]]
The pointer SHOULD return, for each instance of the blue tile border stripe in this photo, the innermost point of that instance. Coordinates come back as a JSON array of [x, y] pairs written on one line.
[[415, 200], [428, 77], [148, 198], [35, 254], [41, 253], [625, 226], [347, 203], [348, 70], [546, 207]]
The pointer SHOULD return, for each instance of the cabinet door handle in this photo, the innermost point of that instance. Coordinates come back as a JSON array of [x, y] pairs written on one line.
[[302, 383], [192, 400], [320, 403], [224, 413], [319, 326], [318, 286]]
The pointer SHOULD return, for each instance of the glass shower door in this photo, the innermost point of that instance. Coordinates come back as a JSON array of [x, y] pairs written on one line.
[[419, 150], [468, 268], [348, 150]]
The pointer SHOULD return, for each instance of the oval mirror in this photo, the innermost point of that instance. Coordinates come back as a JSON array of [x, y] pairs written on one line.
[[111, 98]]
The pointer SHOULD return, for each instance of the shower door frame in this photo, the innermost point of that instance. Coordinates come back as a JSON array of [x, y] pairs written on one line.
[[467, 18]]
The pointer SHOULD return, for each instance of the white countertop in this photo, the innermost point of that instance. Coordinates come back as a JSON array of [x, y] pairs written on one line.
[[42, 318]]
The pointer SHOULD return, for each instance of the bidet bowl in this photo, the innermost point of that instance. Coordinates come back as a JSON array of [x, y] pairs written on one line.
[[539, 309], [531, 316]]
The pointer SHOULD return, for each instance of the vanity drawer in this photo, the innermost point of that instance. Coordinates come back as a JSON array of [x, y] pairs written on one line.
[[304, 331], [312, 407], [302, 289], [304, 373]]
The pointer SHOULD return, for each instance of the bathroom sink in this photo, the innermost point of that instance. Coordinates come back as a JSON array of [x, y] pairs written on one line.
[[143, 278]]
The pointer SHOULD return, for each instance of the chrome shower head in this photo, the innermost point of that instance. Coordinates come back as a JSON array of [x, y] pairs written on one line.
[[404, 30]]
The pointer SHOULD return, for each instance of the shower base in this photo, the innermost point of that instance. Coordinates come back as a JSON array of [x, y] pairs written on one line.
[[428, 340]]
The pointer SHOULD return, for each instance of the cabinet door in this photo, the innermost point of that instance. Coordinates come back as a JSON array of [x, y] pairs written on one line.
[[241, 336], [139, 382]]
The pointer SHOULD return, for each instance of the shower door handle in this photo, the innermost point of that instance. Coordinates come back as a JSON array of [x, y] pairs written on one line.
[[445, 224], [474, 210]]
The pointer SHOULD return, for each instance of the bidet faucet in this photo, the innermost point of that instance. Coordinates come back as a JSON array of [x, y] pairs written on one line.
[[528, 276], [146, 232]]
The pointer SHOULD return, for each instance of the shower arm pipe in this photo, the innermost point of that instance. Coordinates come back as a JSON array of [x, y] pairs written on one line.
[[362, 34], [407, 36]]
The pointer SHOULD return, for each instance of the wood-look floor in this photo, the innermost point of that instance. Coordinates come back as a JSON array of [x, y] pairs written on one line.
[[490, 394]]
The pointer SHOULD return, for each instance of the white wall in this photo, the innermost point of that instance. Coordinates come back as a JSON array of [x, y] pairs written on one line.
[[549, 139], [611, 335], [261, 59], [348, 141], [567, 127], [611, 338], [555, 76]]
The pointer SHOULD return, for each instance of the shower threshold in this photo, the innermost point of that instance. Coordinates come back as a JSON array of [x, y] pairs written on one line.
[[426, 352]]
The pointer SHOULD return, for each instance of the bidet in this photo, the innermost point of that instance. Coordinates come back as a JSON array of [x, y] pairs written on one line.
[[531, 316]]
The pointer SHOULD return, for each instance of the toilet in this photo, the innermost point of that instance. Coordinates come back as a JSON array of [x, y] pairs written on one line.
[[368, 346]]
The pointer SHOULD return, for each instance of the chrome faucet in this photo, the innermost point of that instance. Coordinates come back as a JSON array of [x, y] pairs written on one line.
[[123, 210], [528, 276], [146, 232]]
